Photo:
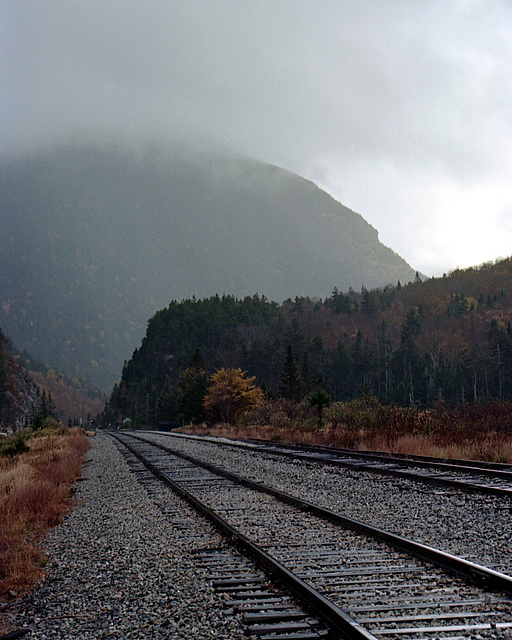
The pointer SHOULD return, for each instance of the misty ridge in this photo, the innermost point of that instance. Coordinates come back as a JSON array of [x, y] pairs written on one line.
[[94, 240]]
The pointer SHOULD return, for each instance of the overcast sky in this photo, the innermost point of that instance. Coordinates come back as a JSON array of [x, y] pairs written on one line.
[[401, 110]]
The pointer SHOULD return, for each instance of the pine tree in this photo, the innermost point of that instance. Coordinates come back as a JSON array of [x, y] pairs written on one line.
[[190, 394], [3, 374], [290, 380], [320, 399], [197, 361], [43, 405], [51, 408]]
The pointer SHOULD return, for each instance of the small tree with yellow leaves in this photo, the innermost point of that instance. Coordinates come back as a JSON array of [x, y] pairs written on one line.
[[231, 395]]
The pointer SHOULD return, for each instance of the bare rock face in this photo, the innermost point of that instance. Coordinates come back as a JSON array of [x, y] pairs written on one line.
[[19, 395]]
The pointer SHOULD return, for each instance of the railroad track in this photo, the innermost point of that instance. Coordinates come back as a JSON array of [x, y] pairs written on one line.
[[353, 581], [472, 476]]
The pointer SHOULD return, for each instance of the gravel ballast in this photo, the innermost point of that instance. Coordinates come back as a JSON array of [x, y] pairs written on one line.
[[122, 563], [471, 525], [120, 568]]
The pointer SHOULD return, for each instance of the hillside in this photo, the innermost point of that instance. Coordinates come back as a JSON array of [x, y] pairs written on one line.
[[19, 395], [72, 398], [22, 379], [93, 242], [446, 339]]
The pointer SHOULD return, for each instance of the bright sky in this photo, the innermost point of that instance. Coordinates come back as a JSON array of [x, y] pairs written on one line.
[[402, 111]]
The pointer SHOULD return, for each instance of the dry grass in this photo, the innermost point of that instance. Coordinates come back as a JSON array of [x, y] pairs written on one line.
[[35, 493], [471, 433], [490, 448]]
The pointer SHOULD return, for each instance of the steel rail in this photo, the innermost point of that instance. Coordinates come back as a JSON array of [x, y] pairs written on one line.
[[477, 574], [328, 612], [491, 470], [13, 635], [400, 473], [407, 457], [455, 462], [328, 456]]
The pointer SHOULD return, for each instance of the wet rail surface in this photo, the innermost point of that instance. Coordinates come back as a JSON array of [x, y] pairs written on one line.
[[386, 591], [473, 476]]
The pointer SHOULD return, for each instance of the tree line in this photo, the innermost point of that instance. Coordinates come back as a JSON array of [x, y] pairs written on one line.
[[446, 339]]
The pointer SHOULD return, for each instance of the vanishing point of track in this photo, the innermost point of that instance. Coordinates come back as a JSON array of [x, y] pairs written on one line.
[[352, 581]]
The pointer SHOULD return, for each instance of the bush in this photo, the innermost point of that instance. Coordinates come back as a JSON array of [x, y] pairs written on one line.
[[14, 444], [363, 413], [279, 420], [52, 426], [35, 492]]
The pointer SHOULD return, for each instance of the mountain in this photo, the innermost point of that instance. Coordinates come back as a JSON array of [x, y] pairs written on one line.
[[94, 241], [447, 339], [72, 398], [19, 394], [22, 379]]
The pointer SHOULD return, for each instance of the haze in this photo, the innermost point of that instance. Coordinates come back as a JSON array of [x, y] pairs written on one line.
[[403, 112]]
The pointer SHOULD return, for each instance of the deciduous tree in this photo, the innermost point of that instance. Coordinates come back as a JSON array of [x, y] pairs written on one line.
[[231, 394]]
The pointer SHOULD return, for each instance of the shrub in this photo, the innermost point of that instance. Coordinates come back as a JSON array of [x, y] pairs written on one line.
[[279, 420], [363, 413], [35, 492], [14, 444]]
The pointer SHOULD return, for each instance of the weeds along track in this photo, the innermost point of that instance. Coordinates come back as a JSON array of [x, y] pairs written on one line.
[[358, 581], [466, 475]]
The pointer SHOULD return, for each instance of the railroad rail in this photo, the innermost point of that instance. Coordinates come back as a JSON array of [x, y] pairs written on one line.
[[472, 476], [355, 580]]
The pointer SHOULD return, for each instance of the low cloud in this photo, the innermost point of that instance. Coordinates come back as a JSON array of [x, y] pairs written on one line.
[[378, 103]]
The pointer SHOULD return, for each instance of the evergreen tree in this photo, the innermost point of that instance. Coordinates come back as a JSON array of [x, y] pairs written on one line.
[[47, 409], [339, 302], [340, 372], [3, 375], [192, 389], [290, 380], [369, 304], [197, 361], [43, 405], [359, 364], [320, 399], [384, 350], [51, 408], [410, 373], [306, 373]]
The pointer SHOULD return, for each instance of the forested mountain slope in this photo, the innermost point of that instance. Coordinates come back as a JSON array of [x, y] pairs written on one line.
[[447, 339], [73, 398], [19, 395], [94, 241], [22, 381]]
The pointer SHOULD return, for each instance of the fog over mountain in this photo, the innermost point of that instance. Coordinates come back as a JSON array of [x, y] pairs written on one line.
[[94, 240], [400, 110]]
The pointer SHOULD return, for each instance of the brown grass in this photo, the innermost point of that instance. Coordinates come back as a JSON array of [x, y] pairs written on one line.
[[35, 493], [473, 432]]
